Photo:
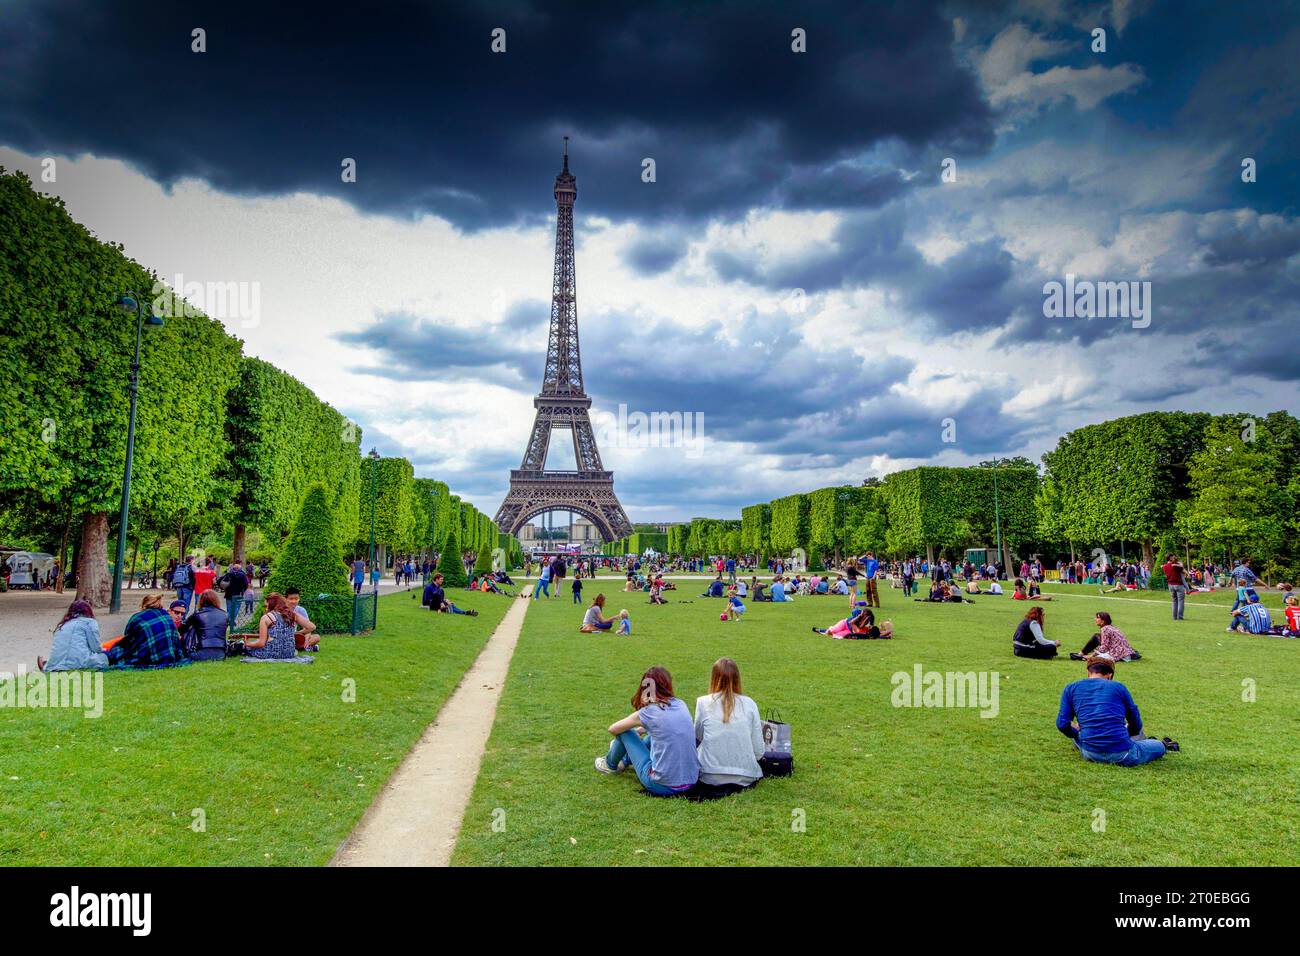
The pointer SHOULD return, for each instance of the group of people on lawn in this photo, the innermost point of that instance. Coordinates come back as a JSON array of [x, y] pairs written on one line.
[[156, 637]]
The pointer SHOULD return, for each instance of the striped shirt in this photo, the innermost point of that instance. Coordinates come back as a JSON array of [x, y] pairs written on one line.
[[1256, 619]]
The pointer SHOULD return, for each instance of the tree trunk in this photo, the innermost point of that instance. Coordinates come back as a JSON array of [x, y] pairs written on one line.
[[1148, 552], [381, 558], [929, 554], [238, 550], [93, 583], [1073, 557], [63, 553], [135, 554]]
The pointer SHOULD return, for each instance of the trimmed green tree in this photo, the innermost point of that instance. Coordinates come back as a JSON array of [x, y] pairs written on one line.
[[450, 564], [310, 562]]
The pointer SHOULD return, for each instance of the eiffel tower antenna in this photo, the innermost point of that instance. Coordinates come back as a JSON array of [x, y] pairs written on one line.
[[563, 403]]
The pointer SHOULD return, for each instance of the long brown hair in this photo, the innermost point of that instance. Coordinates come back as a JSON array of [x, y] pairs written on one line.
[[75, 610], [725, 681], [276, 603], [210, 598], [1035, 614], [656, 687]]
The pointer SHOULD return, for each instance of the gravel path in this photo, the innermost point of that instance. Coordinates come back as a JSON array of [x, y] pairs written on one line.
[[417, 816]]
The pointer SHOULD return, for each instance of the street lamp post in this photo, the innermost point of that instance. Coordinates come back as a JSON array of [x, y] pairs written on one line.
[[131, 302], [997, 514], [156, 544], [374, 462]]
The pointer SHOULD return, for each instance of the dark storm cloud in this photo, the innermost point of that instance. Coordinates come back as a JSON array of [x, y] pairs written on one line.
[[654, 253], [439, 123]]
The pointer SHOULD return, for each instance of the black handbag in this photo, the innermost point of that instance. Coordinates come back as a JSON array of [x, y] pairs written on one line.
[[778, 758]]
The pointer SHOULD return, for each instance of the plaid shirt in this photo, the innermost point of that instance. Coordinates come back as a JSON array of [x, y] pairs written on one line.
[[150, 640]]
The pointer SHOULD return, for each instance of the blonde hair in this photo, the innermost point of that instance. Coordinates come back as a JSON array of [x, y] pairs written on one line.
[[151, 601], [725, 681]]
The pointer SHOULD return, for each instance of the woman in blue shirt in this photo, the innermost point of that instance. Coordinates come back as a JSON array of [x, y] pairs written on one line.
[[76, 642], [664, 760]]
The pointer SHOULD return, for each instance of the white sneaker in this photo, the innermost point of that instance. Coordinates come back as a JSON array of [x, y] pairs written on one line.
[[604, 767]]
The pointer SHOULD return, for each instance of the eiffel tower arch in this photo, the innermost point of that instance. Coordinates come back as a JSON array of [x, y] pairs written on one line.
[[563, 404]]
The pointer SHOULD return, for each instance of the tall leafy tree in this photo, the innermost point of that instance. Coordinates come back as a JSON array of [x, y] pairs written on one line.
[[68, 352]]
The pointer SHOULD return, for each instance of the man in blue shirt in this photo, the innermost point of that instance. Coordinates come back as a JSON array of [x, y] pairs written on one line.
[[870, 567], [1100, 717], [1254, 617]]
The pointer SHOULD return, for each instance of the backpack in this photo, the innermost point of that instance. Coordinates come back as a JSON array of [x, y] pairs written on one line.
[[183, 576]]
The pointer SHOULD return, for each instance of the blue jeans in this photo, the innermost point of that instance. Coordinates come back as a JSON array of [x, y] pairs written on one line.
[[543, 587], [629, 745], [185, 594], [232, 609], [1178, 595], [577, 597], [1141, 751]]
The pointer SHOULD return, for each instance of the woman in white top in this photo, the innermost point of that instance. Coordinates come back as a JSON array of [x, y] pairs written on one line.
[[728, 730]]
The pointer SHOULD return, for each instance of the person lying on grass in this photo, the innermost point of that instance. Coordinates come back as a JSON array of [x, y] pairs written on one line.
[[1100, 718], [150, 639], [594, 619], [664, 760], [728, 731], [860, 627], [1022, 593], [1029, 641], [1108, 644], [276, 631], [435, 598]]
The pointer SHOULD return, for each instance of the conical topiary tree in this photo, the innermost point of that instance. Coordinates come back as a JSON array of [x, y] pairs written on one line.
[[483, 564], [310, 562], [450, 564]]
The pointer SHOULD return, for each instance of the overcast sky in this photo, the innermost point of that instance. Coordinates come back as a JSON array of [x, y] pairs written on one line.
[[799, 272]]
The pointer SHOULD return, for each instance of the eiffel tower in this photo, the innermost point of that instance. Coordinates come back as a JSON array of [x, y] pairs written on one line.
[[562, 403]]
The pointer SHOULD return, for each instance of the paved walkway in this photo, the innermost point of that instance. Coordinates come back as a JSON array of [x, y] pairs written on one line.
[[417, 816]]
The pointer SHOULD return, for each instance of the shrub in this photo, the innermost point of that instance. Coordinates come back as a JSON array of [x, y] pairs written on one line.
[[310, 562], [450, 564]]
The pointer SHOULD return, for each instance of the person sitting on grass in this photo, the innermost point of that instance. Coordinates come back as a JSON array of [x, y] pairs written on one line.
[[1292, 612], [972, 586], [995, 587], [1099, 716], [276, 630], [657, 591], [664, 760], [735, 606], [594, 619], [204, 631], [1252, 616], [716, 588], [1021, 593], [1108, 644], [1028, 641], [307, 640], [150, 639], [728, 732], [435, 598], [861, 626], [778, 590], [76, 642]]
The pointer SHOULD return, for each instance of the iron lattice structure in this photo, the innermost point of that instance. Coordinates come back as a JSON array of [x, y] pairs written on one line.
[[563, 403]]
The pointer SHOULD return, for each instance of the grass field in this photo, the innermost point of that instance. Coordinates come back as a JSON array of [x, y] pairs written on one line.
[[877, 784], [280, 764]]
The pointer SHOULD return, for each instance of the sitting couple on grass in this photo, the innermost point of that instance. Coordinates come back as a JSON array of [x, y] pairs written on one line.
[[860, 627], [942, 591], [973, 587], [1030, 593], [715, 755], [1100, 718], [435, 598], [594, 620]]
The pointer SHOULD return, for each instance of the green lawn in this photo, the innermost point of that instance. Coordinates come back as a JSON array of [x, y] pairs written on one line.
[[280, 764], [879, 785]]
